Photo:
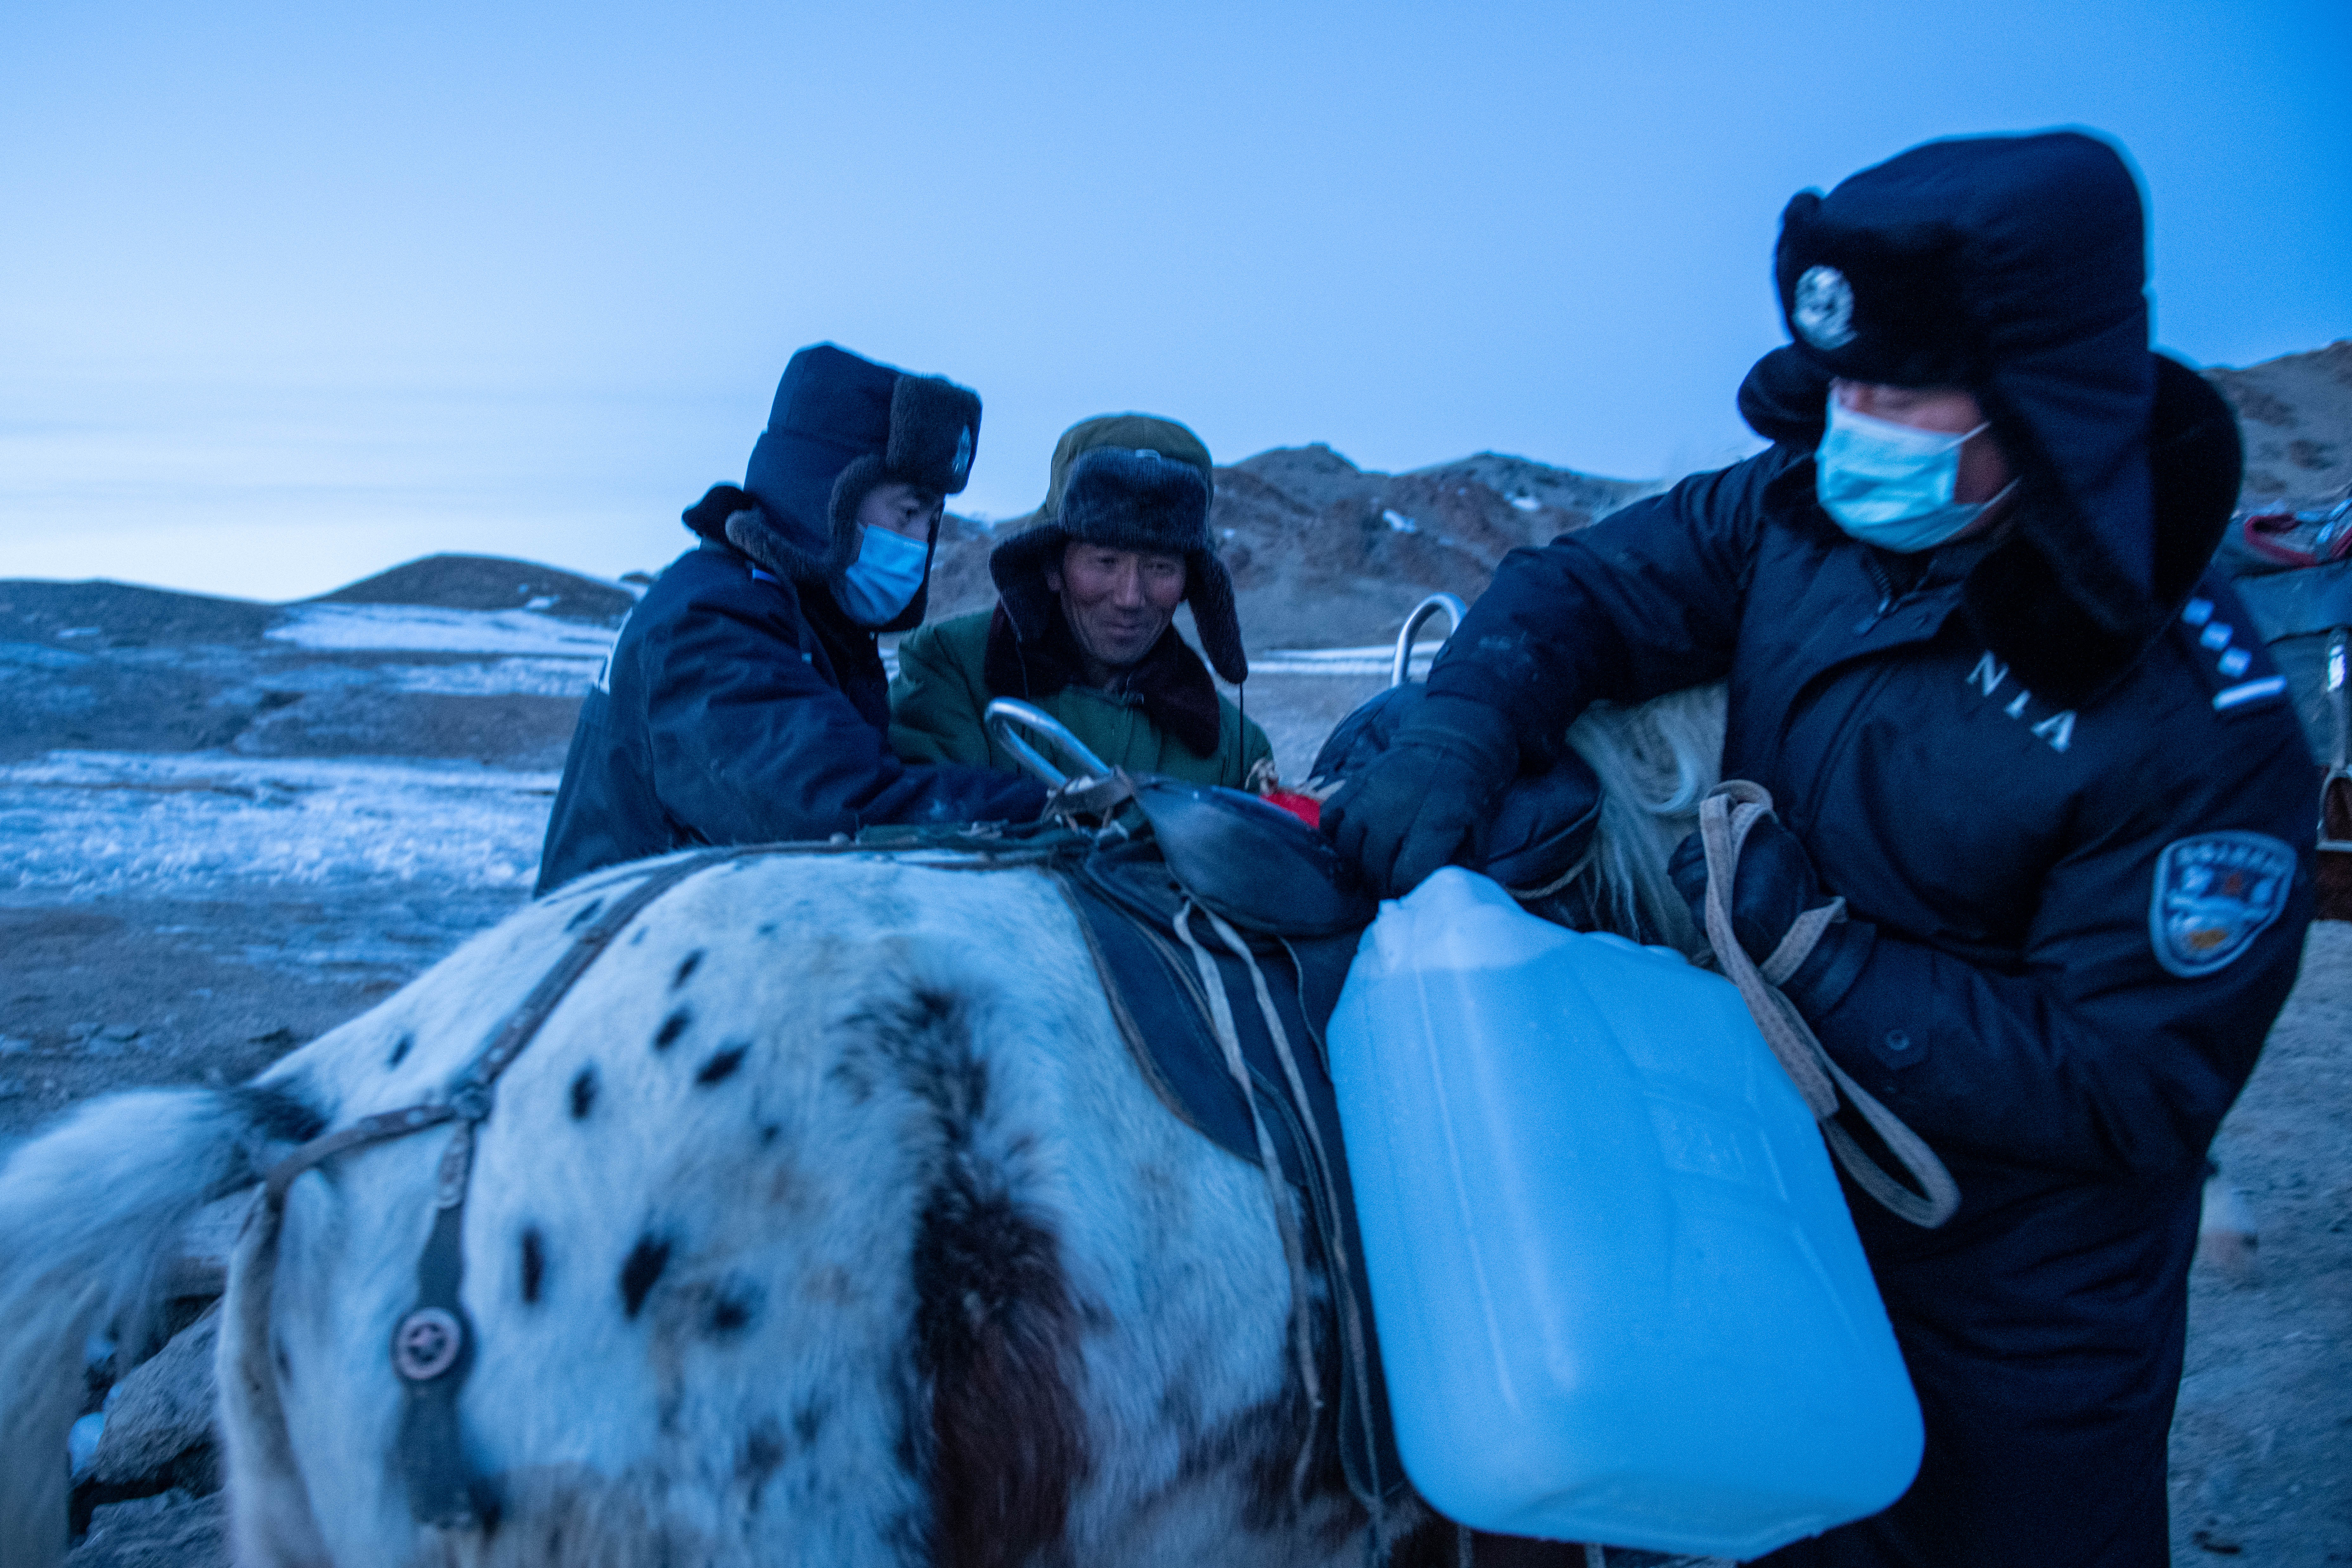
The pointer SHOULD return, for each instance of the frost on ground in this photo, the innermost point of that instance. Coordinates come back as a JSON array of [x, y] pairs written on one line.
[[425, 628], [2261, 1444], [90, 824]]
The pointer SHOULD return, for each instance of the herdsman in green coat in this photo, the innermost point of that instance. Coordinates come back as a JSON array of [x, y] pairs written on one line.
[[1084, 623]]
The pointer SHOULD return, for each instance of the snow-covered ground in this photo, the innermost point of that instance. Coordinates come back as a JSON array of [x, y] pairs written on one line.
[[93, 825], [560, 659], [425, 628]]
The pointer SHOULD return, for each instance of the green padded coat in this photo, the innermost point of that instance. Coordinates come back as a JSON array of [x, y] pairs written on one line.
[[942, 693]]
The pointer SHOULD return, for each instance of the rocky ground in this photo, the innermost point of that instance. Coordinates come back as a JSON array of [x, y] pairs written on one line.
[[226, 827]]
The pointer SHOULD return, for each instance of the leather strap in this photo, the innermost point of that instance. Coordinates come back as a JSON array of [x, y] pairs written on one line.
[[367, 1129], [432, 1344], [1725, 818], [433, 1350]]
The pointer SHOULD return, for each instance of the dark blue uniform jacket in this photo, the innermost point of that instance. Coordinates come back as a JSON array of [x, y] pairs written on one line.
[[739, 708], [1997, 835]]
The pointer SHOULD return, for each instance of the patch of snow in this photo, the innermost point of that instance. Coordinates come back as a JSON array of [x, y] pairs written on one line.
[[81, 1442], [1399, 522], [1378, 659], [426, 628], [1527, 503], [507, 676], [99, 824], [34, 656], [544, 601], [494, 677]]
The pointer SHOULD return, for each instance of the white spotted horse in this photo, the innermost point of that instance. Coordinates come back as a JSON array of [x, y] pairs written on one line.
[[824, 1218]]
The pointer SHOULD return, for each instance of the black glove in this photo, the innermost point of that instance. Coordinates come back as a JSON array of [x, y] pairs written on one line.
[[1421, 803], [1775, 885]]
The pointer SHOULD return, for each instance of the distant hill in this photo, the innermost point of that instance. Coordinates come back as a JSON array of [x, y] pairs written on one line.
[[489, 583], [2295, 413], [457, 658]]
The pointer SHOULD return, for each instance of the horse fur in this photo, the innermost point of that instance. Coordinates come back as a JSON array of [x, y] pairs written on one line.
[[826, 1221], [1655, 760]]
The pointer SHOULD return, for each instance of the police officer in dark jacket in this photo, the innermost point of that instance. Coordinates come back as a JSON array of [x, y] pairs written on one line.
[[1976, 656], [745, 700]]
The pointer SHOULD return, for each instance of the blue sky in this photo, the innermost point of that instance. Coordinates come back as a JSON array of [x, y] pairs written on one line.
[[289, 293]]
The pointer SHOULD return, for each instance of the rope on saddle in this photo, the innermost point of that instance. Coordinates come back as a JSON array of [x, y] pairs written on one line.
[[1725, 818], [1350, 1323], [1293, 1244], [1337, 1240]]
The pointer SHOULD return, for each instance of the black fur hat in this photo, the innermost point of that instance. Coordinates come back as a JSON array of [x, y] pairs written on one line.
[[840, 425], [1151, 496], [2013, 267]]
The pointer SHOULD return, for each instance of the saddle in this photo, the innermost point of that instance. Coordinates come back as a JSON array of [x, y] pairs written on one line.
[[1222, 938]]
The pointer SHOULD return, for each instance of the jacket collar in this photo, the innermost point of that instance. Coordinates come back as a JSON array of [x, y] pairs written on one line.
[[1170, 683]]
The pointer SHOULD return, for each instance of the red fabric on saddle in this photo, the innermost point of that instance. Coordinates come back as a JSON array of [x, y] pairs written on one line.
[[1305, 807]]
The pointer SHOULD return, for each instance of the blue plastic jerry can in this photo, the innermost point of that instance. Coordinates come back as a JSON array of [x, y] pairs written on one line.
[[1619, 1296]]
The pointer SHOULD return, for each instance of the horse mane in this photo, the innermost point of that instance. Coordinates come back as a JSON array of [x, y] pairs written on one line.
[[1655, 760]]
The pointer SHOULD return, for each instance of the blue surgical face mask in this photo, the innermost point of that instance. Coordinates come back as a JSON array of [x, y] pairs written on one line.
[[884, 577], [1891, 484]]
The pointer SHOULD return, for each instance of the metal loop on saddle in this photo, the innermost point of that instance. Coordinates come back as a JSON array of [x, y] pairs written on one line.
[[1008, 716], [1400, 670]]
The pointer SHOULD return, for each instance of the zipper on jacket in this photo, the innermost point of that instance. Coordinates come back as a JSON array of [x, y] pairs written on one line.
[[1889, 599]]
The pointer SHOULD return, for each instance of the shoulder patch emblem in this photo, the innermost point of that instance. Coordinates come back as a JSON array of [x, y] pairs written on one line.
[[2214, 894], [1823, 310]]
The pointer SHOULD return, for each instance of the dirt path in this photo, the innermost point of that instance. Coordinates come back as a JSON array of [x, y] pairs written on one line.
[[2262, 1446]]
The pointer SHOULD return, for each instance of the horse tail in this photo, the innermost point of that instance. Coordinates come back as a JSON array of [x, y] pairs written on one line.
[[90, 1211]]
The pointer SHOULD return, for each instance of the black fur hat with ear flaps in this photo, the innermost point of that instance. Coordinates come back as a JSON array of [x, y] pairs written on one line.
[[840, 425], [1125, 481], [2013, 267]]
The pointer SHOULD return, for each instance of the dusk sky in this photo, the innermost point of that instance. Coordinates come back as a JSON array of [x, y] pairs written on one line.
[[289, 293]]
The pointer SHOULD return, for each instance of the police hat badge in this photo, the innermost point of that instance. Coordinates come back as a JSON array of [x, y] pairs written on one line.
[[1823, 309], [2214, 894]]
